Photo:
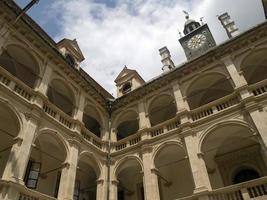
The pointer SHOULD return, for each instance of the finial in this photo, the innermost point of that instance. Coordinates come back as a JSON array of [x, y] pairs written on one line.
[[201, 20], [186, 14]]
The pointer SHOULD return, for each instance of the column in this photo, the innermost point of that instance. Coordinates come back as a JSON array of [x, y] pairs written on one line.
[[259, 119], [20, 152], [197, 163], [237, 78], [43, 87], [143, 119], [80, 107], [181, 104], [150, 182], [9, 193], [4, 34], [68, 174], [113, 195], [102, 183]]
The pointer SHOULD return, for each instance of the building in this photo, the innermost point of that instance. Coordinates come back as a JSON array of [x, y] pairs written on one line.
[[197, 132]]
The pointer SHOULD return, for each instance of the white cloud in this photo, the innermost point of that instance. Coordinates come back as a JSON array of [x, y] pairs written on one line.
[[132, 32]]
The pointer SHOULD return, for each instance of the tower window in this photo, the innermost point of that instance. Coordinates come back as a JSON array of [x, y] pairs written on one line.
[[70, 59], [127, 88]]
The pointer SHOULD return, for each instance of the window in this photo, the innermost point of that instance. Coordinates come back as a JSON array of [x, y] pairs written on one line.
[[70, 59], [57, 184], [76, 190], [127, 88], [32, 174]]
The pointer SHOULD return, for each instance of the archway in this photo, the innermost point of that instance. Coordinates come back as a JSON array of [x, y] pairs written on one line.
[[9, 129], [162, 109], [20, 63], [208, 88], [128, 125], [130, 178], [91, 120], [254, 66], [45, 164], [175, 176], [86, 177], [60, 95], [244, 175], [229, 148]]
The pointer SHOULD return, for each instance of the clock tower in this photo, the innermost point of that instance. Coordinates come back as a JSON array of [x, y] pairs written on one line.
[[197, 38]]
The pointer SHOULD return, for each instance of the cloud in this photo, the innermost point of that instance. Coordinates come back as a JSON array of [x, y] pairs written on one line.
[[112, 34]]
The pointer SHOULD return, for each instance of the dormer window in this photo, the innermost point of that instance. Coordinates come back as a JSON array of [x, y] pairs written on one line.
[[70, 59], [127, 88]]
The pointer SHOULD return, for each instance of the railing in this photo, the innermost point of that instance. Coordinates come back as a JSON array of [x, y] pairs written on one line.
[[15, 85], [251, 190], [91, 138], [24, 192], [57, 114], [128, 141], [259, 88], [165, 127], [214, 107]]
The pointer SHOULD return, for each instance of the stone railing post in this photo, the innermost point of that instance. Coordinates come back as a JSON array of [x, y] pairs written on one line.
[[199, 170], [68, 174], [151, 187]]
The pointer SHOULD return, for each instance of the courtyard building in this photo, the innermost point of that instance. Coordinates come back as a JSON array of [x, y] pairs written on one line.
[[196, 132]]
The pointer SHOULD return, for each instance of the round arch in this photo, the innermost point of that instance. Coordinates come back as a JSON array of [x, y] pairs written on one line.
[[94, 163], [254, 66], [161, 108], [219, 86], [60, 94], [20, 62]]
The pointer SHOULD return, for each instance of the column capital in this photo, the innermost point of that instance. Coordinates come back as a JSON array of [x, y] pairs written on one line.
[[115, 182]]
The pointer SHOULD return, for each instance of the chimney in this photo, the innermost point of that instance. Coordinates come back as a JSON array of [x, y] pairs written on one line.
[[229, 25], [166, 59]]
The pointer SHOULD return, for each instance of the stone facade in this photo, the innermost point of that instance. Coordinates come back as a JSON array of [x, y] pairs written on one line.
[[198, 132]]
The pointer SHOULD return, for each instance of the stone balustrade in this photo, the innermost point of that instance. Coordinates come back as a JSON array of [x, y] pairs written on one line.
[[251, 190], [23, 192], [259, 88], [91, 138]]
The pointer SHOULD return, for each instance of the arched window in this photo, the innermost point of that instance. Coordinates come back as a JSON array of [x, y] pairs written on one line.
[[21, 64], [127, 87], [70, 59], [60, 95]]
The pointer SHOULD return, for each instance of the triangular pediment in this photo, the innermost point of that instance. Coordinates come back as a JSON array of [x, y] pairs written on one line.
[[125, 72]]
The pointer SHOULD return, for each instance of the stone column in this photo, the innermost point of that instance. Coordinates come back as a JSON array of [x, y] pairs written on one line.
[[43, 86], [102, 183], [197, 163], [4, 34], [21, 150], [143, 119], [9, 193], [181, 104], [100, 192], [113, 190], [238, 79], [151, 187], [80, 108], [68, 174]]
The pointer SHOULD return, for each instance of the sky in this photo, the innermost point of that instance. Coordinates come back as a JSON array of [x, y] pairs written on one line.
[[115, 33]]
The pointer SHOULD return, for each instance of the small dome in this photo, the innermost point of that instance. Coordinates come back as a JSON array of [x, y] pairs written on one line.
[[189, 21]]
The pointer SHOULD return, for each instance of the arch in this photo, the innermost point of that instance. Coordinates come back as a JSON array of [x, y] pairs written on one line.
[[92, 119], [161, 108], [60, 94], [158, 149], [97, 168], [127, 124], [213, 128], [235, 177], [254, 66], [18, 61], [57, 136], [119, 164], [219, 86]]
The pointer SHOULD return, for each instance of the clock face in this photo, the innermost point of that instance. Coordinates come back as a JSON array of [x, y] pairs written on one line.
[[197, 41]]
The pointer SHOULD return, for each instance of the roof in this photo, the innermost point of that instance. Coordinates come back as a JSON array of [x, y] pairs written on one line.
[[74, 44], [125, 71]]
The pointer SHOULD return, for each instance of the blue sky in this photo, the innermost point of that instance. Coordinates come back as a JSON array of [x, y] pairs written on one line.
[[114, 33]]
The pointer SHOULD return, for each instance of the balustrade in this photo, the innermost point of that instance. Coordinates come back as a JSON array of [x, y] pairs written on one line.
[[91, 138], [259, 88]]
